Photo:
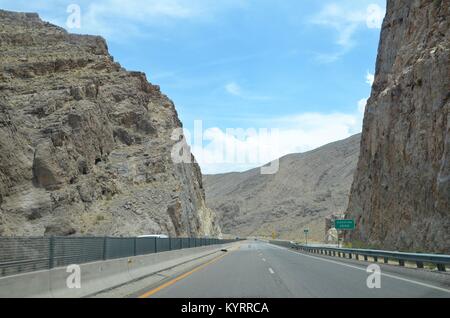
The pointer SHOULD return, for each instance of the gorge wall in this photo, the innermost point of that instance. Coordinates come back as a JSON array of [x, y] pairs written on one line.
[[401, 192], [85, 146]]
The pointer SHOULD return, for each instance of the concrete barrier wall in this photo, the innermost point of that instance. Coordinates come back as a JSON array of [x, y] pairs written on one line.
[[97, 276], [281, 243]]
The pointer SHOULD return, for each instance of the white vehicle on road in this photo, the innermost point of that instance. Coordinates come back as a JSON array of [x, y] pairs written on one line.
[[154, 235]]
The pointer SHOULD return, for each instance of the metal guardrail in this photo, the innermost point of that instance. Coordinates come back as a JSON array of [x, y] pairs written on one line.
[[26, 254], [439, 260]]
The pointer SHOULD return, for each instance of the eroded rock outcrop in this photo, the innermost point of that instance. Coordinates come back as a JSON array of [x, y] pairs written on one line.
[[401, 192], [85, 146]]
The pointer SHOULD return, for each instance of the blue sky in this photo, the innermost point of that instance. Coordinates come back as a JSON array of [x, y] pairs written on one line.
[[302, 67]]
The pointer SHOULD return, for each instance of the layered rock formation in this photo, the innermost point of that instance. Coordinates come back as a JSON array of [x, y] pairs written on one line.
[[307, 188], [85, 146], [401, 193]]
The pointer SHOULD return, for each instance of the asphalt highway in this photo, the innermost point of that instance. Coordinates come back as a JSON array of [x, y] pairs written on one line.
[[256, 269]]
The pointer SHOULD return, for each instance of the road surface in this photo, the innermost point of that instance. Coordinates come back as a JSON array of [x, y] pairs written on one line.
[[260, 270]]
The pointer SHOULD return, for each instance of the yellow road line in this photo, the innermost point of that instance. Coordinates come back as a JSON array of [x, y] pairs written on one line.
[[173, 281]]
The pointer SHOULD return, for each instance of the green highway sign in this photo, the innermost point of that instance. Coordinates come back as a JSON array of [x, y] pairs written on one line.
[[344, 224]]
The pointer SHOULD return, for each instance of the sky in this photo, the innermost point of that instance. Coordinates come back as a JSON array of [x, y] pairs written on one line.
[[252, 80]]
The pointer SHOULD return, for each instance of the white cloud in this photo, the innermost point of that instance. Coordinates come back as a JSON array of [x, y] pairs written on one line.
[[290, 134], [117, 20], [370, 78], [375, 15], [362, 105], [105, 16], [233, 89], [325, 58], [346, 18], [140, 11]]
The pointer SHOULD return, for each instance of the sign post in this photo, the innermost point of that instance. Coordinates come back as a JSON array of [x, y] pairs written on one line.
[[344, 225], [306, 236]]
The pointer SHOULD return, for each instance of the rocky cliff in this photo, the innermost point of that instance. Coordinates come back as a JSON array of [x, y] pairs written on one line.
[[401, 193], [307, 188], [85, 146]]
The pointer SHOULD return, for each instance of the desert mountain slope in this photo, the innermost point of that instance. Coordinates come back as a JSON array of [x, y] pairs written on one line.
[[85, 145], [307, 187], [401, 194]]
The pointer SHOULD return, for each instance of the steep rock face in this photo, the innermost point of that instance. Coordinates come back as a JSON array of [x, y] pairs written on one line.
[[307, 188], [85, 146], [401, 192]]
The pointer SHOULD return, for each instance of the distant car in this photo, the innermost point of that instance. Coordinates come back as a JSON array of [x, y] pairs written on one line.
[[154, 235]]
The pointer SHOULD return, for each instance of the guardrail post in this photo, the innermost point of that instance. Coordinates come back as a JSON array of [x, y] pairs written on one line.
[[156, 245], [357, 257], [135, 246], [375, 258], [365, 258], [105, 244], [386, 260], [401, 262], [441, 267], [419, 264], [51, 252]]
